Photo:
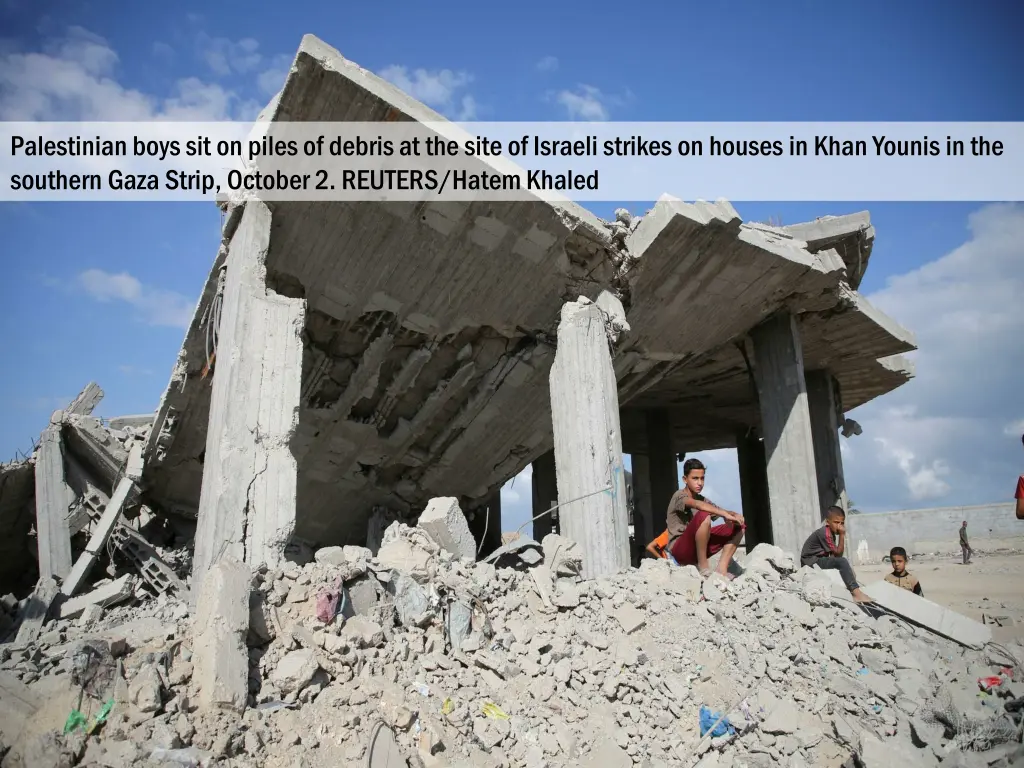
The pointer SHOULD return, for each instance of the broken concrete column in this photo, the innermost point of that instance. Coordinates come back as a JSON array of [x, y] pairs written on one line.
[[86, 401], [220, 654], [588, 440], [545, 494], [754, 489], [247, 502], [447, 526], [645, 518], [823, 400], [661, 455], [786, 424], [52, 501]]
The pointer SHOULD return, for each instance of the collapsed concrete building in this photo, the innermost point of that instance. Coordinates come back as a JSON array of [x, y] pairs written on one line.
[[349, 360]]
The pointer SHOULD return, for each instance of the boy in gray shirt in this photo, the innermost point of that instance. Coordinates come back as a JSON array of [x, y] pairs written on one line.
[[824, 548]]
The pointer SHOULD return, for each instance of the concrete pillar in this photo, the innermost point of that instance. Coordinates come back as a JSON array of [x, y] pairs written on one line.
[[786, 425], [588, 441], [664, 469], [645, 515], [545, 494], [53, 497], [754, 489], [247, 502], [823, 400]]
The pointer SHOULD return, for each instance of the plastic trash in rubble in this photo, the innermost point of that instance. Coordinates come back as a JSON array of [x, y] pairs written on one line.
[[708, 720], [493, 711], [988, 683], [421, 688], [75, 722], [331, 601], [101, 716]]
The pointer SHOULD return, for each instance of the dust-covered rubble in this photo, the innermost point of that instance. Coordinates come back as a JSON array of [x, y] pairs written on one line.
[[515, 665]]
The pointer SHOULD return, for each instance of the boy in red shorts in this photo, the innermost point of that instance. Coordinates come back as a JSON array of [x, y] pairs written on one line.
[[692, 538]]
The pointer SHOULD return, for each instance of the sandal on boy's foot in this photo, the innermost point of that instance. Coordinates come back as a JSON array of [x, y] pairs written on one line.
[[705, 573]]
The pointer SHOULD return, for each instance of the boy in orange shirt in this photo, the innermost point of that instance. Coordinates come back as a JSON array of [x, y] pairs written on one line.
[[659, 548]]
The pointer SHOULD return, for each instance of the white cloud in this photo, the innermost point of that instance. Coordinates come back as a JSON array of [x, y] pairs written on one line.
[[468, 110], [923, 482], [441, 89], [155, 306], [585, 103], [949, 436], [163, 51], [73, 78], [547, 64], [226, 57], [271, 80]]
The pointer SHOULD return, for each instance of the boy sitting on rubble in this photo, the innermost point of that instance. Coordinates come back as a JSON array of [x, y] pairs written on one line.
[[659, 548], [692, 538], [824, 548], [899, 576]]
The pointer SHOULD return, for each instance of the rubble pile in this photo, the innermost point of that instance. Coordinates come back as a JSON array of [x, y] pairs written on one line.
[[77, 505], [512, 662]]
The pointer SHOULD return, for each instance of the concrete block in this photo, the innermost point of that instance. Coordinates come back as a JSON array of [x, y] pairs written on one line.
[[929, 615], [220, 654], [36, 609], [447, 526], [113, 593]]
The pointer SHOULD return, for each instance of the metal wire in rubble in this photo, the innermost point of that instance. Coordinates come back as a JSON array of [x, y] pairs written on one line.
[[562, 504]]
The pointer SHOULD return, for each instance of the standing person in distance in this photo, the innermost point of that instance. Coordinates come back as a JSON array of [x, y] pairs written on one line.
[[965, 545]]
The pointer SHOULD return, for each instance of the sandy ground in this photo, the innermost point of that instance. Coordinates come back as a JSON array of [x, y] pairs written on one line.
[[991, 584]]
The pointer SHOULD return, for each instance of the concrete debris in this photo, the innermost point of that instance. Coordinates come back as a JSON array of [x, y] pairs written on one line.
[[221, 627], [295, 671], [86, 401], [111, 593], [466, 664], [444, 521], [931, 615]]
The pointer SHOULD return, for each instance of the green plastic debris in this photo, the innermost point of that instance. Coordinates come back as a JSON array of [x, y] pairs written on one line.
[[101, 716], [75, 721]]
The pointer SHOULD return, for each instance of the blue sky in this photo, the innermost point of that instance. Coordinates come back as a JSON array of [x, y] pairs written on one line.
[[102, 291]]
